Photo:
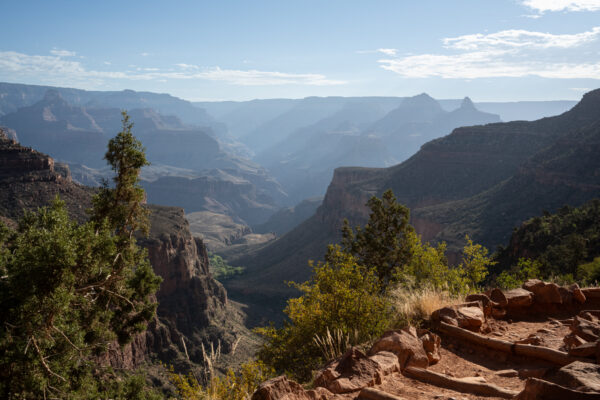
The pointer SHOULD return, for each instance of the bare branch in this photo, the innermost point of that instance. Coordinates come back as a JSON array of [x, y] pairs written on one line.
[[43, 361]]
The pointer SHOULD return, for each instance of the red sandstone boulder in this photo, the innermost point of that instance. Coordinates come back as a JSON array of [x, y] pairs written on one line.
[[581, 376], [588, 350], [354, 371], [578, 295], [431, 344], [497, 296], [469, 316], [281, 388], [518, 298], [544, 293], [588, 329], [406, 345]]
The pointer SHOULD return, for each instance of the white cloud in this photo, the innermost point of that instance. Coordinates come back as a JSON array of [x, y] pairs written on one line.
[[387, 52], [59, 70], [518, 38], [255, 77], [62, 53], [562, 5], [509, 53], [485, 65]]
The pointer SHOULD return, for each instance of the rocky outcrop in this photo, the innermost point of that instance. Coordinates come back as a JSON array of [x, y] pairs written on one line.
[[188, 297], [30, 179]]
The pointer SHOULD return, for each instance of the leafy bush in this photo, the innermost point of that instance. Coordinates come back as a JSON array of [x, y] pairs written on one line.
[[342, 295], [514, 278], [231, 386], [589, 273]]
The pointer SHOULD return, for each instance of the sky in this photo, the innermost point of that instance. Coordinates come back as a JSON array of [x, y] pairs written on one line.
[[490, 50]]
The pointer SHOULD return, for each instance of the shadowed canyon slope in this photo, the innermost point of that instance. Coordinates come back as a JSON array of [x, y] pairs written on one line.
[[480, 180]]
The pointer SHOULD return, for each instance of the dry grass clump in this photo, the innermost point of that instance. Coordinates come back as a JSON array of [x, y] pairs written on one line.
[[414, 306], [334, 345]]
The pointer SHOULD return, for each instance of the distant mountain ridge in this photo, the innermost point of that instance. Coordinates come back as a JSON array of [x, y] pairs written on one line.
[[78, 135], [480, 180], [366, 133]]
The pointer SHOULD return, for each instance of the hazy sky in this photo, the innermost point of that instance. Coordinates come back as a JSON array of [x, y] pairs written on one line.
[[216, 50]]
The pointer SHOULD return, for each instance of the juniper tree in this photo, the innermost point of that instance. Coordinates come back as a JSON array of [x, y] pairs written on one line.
[[382, 244], [68, 291]]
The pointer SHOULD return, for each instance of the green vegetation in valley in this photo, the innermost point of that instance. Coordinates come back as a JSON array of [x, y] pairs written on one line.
[[68, 291], [563, 246], [354, 293], [219, 268]]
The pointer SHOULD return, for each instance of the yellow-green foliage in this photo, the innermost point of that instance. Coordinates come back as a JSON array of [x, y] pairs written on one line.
[[513, 278], [341, 296], [231, 386], [475, 263], [428, 267], [589, 273]]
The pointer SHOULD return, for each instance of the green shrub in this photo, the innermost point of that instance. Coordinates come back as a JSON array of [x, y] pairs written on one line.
[[341, 296], [589, 273], [514, 278]]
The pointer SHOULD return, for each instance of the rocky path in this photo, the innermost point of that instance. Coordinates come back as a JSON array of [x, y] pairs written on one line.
[[540, 342]]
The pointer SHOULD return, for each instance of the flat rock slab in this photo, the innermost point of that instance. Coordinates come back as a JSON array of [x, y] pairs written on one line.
[[579, 375]]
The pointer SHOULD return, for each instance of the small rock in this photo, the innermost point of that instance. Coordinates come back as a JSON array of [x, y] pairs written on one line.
[[544, 330], [578, 295], [532, 373], [532, 339], [406, 346], [507, 373], [572, 340], [431, 344], [584, 350]]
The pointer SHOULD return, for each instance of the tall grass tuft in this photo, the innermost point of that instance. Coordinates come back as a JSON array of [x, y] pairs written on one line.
[[414, 307], [334, 345]]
